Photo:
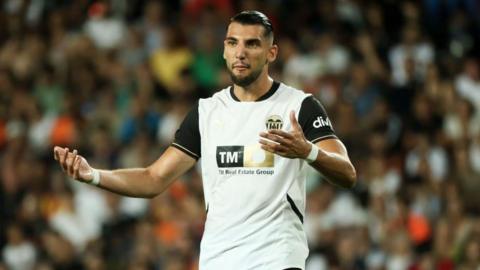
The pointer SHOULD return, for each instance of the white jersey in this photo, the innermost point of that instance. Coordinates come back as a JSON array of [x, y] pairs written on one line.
[[255, 200]]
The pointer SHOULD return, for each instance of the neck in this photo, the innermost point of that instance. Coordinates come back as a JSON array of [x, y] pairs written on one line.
[[255, 90]]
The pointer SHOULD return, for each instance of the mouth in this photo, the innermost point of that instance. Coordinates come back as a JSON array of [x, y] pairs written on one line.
[[240, 66]]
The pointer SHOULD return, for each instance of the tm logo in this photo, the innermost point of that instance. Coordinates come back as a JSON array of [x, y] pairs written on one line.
[[320, 122], [252, 156], [230, 156]]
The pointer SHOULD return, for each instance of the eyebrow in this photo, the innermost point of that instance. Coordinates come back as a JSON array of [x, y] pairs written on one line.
[[248, 41]]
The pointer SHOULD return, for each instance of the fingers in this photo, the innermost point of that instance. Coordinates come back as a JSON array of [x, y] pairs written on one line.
[[281, 133], [76, 167], [273, 147], [63, 159], [71, 162], [56, 151], [275, 137], [287, 144]]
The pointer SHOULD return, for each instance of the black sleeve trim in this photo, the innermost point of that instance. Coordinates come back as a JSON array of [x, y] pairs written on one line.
[[185, 150], [187, 136], [294, 208], [324, 138], [314, 120]]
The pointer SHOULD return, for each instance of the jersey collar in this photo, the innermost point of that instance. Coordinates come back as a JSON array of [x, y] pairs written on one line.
[[269, 93]]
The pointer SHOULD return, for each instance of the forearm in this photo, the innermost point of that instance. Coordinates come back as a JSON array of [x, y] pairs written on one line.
[[135, 182], [336, 168], [147, 182]]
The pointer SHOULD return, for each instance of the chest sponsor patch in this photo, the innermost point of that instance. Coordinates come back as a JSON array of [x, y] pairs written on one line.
[[234, 156]]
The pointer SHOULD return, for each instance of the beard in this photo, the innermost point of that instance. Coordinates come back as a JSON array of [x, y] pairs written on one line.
[[247, 80]]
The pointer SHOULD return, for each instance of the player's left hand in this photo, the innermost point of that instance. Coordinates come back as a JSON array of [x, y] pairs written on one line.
[[291, 144]]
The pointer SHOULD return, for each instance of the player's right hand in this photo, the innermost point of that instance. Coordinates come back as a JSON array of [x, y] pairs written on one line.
[[73, 164]]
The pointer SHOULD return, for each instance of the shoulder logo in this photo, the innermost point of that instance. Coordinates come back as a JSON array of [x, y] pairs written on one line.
[[320, 122], [274, 122]]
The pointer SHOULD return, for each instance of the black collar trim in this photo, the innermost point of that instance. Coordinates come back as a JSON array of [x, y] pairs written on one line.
[[271, 91]]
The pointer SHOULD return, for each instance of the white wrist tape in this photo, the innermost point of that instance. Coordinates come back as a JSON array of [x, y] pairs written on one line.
[[312, 156], [96, 177]]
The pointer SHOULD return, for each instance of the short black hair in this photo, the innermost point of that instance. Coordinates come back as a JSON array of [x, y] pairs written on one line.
[[253, 17]]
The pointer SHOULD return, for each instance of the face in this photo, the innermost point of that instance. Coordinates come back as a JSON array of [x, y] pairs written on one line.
[[247, 53]]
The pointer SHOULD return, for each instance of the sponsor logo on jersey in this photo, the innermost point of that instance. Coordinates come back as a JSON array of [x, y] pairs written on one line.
[[321, 122], [243, 156], [274, 122], [230, 156]]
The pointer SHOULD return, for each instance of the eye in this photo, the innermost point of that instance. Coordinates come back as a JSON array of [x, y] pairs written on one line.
[[253, 44], [231, 42]]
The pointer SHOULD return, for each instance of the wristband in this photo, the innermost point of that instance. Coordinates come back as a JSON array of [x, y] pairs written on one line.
[[96, 177], [312, 156]]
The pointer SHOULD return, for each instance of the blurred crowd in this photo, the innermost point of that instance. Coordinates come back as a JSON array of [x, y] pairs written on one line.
[[113, 79]]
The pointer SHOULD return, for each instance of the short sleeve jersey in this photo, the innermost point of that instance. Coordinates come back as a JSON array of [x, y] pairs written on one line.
[[255, 200]]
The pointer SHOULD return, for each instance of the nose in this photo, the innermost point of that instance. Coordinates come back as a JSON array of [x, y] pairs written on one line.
[[240, 51]]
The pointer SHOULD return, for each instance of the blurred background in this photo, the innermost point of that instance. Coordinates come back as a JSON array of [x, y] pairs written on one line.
[[113, 79]]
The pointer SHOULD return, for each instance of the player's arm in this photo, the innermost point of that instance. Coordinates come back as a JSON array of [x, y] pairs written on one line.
[[136, 182], [141, 182], [333, 162]]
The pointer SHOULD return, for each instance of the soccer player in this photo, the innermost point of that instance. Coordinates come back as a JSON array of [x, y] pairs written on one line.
[[255, 141]]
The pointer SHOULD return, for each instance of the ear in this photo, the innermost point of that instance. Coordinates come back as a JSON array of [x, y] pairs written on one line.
[[272, 53], [223, 55]]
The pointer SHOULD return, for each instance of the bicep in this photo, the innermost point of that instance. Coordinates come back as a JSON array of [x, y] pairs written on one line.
[[333, 145], [171, 165]]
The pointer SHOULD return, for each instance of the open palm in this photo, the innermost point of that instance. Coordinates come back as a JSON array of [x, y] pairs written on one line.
[[73, 164]]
